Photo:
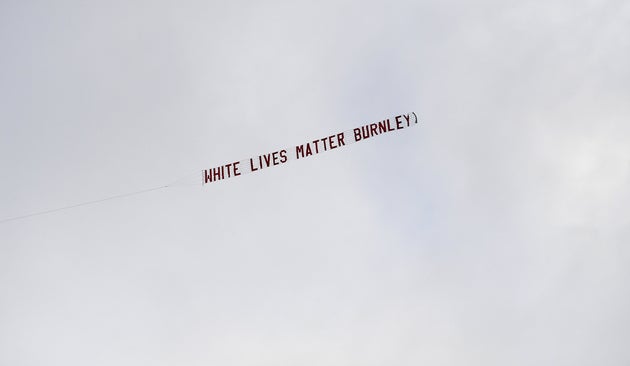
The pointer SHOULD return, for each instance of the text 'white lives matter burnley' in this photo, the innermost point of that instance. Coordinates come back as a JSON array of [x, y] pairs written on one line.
[[317, 146]]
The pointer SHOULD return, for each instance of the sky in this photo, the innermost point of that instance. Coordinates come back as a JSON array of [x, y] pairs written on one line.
[[495, 232]]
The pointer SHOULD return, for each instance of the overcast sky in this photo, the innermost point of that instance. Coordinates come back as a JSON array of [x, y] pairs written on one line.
[[496, 232]]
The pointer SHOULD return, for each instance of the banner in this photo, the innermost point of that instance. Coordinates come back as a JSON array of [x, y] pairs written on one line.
[[302, 151]]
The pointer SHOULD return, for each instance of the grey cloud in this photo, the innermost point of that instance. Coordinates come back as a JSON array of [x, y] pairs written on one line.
[[494, 233]]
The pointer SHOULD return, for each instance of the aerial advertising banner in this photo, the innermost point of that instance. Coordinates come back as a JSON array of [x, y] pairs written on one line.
[[310, 148]]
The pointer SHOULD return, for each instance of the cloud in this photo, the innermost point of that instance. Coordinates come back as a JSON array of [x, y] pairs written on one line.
[[494, 233]]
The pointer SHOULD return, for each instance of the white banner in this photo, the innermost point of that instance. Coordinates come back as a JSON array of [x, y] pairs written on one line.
[[307, 149]]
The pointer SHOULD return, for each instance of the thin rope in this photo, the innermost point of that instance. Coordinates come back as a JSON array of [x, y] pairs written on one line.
[[81, 204], [184, 177]]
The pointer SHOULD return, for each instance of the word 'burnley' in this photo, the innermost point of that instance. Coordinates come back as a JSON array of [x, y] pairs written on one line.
[[310, 148]]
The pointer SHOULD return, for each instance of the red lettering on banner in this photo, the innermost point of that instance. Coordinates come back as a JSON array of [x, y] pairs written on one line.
[[398, 123], [271, 159], [331, 142], [373, 128], [218, 173], [365, 131], [382, 127], [327, 143], [324, 140], [267, 158], [310, 148], [304, 152], [340, 139], [389, 127]]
